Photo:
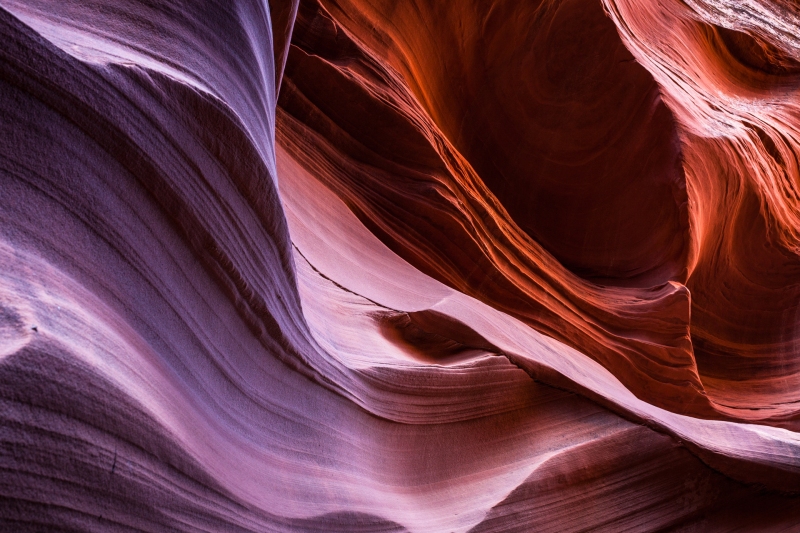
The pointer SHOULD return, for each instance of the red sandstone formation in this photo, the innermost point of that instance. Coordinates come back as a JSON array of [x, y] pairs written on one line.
[[428, 266]]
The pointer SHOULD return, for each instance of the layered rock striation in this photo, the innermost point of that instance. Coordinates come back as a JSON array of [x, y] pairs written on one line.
[[365, 265]]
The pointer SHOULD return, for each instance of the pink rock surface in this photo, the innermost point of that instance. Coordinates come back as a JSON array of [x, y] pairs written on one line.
[[424, 266]]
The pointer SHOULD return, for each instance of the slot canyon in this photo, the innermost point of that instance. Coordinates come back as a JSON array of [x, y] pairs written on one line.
[[425, 266]]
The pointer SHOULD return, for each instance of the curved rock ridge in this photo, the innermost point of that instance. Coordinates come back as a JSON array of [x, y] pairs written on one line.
[[369, 266], [703, 322]]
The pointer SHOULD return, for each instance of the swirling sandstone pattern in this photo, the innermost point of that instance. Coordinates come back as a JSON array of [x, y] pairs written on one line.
[[367, 265]]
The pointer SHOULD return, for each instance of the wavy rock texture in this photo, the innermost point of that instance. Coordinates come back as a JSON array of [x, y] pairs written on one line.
[[366, 265]]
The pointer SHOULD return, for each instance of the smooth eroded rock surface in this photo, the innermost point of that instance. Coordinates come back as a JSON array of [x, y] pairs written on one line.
[[426, 266]]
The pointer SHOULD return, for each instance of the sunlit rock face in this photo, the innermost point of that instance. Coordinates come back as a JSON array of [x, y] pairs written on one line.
[[426, 266]]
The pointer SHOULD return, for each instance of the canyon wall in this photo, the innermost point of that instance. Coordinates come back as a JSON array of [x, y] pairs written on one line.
[[426, 266]]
